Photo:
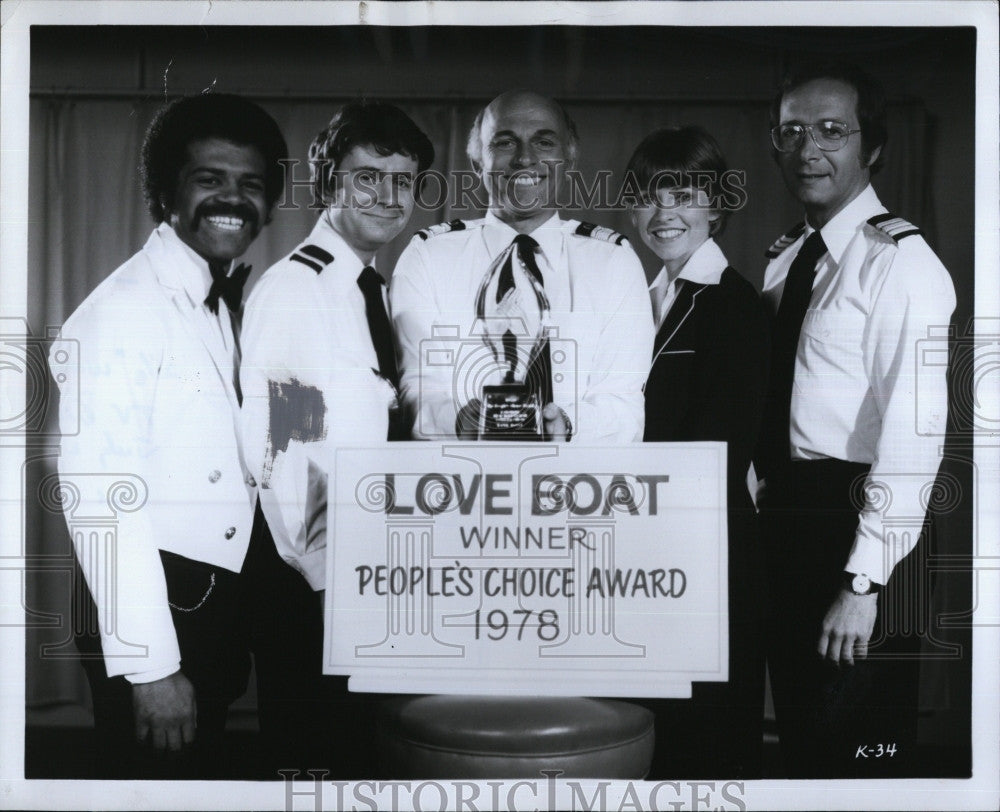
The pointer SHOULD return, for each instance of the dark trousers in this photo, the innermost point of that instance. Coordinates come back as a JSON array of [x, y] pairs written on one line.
[[718, 732], [834, 721], [307, 721], [267, 610], [206, 610]]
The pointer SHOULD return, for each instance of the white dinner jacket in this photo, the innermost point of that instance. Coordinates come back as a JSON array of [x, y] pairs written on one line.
[[158, 412]]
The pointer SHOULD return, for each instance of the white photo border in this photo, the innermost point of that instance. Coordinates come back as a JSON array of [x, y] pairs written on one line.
[[982, 791]]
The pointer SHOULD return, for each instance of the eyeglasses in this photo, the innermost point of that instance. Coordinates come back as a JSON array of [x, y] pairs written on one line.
[[829, 136]]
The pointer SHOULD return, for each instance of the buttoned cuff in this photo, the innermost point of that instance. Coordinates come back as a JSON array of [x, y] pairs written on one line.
[[868, 558], [142, 677]]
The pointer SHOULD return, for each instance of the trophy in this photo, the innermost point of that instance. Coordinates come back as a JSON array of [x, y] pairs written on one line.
[[513, 310]]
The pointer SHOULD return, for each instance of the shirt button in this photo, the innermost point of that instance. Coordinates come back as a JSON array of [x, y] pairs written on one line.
[[230, 532], [251, 481], [215, 476]]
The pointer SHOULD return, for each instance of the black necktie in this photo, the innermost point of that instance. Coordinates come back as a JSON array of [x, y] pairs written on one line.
[[228, 288], [773, 454], [379, 328], [539, 377]]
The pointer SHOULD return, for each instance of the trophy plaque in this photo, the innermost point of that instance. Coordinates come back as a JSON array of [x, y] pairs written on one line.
[[513, 310]]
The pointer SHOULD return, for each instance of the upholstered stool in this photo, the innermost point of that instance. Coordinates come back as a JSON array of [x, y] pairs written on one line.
[[513, 737]]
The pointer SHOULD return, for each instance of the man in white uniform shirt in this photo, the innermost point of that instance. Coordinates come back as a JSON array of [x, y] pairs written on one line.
[[319, 371], [601, 329], [853, 291], [159, 408]]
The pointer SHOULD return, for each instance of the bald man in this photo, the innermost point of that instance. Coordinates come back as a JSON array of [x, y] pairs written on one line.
[[600, 325]]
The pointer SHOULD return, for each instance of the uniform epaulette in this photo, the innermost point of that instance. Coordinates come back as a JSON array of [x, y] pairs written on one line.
[[893, 226], [600, 233], [441, 228], [785, 240], [312, 256]]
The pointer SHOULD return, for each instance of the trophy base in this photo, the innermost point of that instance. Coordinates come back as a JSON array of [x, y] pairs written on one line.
[[510, 411]]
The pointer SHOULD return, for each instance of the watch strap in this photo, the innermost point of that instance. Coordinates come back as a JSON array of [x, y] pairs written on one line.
[[860, 584]]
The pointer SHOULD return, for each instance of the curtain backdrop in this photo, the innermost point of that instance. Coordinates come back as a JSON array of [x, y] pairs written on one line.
[[87, 216]]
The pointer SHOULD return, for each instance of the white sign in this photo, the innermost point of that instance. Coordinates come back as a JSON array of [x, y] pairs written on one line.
[[528, 568]]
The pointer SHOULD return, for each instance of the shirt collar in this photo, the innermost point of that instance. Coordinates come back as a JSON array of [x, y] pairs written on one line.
[[704, 266], [346, 266], [548, 236], [842, 228]]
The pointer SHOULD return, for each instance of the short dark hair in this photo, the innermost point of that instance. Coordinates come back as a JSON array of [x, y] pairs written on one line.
[[207, 115], [379, 125], [870, 107], [678, 157]]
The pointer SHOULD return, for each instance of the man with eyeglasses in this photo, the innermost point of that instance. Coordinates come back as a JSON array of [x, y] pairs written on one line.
[[852, 289]]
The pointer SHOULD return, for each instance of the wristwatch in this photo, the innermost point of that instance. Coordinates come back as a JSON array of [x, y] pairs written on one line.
[[861, 584]]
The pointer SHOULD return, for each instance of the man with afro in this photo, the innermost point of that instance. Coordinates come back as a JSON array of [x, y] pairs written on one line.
[[163, 624]]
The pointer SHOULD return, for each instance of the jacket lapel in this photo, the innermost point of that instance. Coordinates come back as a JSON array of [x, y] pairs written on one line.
[[679, 312], [165, 259], [222, 360]]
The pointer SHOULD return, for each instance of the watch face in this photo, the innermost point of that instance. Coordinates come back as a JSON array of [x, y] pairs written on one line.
[[861, 584]]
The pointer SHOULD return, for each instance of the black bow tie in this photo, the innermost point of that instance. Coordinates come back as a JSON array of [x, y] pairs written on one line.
[[228, 288]]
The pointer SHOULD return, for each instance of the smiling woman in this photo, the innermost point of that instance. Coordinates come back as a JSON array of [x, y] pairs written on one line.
[[706, 382]]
